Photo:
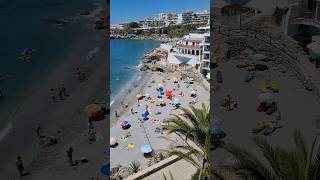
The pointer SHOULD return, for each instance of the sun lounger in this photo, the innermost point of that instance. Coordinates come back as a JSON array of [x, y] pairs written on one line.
[[262, 85], [274, 86], [261, 126]]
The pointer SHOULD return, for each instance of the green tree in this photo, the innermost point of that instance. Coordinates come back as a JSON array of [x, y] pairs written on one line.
[[193, 128], [134, 25], [134, 166], [299, 163]]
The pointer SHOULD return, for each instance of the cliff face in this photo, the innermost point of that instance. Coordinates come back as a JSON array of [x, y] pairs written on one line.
[[103, 23]]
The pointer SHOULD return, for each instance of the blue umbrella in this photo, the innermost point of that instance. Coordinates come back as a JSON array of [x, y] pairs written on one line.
[[145, 114], [216, 130], [125, 122], [146, 149], [105, 169]]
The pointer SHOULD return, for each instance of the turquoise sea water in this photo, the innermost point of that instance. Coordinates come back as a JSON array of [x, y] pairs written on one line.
[[125, 55]]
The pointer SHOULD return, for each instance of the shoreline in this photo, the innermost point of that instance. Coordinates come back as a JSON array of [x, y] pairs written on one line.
[[52, 116], [128, 98]]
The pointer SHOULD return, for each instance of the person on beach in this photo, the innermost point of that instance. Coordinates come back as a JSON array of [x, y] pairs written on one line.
[[131, 111], [228, 102], [60, 94], [116, 114], [52, 94], [64, 90], [38, 131], [78, 73], [90, 125], [69, 154], [20, 167]]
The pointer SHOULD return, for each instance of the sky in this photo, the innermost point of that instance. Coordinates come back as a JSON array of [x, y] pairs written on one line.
[[122, 11]]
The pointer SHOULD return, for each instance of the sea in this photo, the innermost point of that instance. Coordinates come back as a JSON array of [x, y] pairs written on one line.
[[125, 56], [24, 25]]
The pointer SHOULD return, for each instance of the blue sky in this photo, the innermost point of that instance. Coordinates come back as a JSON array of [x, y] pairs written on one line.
[[132, 10]]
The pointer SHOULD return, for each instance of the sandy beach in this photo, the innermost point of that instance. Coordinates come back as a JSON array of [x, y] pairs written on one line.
[[124, 156], [65, 119], [238, 124]]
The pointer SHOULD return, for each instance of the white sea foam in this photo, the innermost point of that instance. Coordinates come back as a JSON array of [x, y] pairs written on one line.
[[5, 131], [92, 53]]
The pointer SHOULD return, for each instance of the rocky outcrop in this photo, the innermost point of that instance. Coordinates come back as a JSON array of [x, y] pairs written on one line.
[[102, 23]]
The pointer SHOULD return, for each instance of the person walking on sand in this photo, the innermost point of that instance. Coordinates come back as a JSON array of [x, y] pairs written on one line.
[[64, 90], [60, 94], [20, 167], [228, 102], [131, 111], [69, 154], [90, 126], [38, 131], [78, 73], [116, 114], [52, 94]]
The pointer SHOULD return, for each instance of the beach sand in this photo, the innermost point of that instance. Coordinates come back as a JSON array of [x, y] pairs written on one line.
[[65, 119], [299, 108], [121, 154]]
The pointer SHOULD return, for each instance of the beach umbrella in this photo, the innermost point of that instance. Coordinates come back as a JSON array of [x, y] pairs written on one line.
[[105, 169], [169, 93], [216, 130], [92, 108], [259, 57], [147, 95], [266, 97], [125, 122], [176, 101], [113, 141], [160, 85], [146, 149], [101, 101]]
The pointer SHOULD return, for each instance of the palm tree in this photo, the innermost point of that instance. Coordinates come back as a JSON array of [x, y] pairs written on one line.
[[193, 129], [299, 163], [134, 166]]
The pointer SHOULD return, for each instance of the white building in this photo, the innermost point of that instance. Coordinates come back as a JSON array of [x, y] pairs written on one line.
[[152, 23], [205, 59], [168, 18], [190, 17], [185, 17], [193, 49]]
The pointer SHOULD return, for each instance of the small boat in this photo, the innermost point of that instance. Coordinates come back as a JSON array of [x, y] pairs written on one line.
[[118, 79], [128, 67]]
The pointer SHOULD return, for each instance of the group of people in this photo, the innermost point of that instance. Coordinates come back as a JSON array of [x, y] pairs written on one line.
[[61, 94], [229, 103]]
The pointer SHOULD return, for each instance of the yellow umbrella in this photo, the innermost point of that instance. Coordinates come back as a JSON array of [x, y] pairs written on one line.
[[92, 108], [113, 141], [130, 146]]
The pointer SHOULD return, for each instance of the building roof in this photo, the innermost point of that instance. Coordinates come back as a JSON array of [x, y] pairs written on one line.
[[180, 46]]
